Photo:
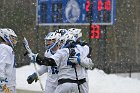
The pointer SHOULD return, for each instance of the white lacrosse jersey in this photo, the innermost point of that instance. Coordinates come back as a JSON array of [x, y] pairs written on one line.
[[7, 65], [52, 72], [64, 66], [66, 71]]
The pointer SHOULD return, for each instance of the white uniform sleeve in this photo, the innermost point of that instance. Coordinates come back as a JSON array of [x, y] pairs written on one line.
[[85, 61], [85, 50], [2, 71], [3, 60], [60, 55], [43, 69]]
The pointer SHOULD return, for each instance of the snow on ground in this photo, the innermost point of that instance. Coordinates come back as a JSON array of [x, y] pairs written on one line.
[[99, 82], [21, 77]]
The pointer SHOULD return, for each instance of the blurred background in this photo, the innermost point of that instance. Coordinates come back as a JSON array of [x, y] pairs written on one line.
[[117, 50]]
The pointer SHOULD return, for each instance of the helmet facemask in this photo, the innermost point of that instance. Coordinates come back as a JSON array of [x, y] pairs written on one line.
[[51, 39], [49, 43]]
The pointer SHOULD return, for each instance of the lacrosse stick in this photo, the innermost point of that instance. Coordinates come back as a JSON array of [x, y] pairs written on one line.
[[29, 51]]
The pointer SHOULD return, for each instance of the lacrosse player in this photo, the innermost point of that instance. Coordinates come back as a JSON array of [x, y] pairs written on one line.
[[7, 61], [52, 75], [85, 63]]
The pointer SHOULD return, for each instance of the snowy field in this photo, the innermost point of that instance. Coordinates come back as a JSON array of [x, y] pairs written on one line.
[[99, 82]]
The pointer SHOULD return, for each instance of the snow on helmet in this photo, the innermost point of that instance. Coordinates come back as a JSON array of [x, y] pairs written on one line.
[[76, 32], [51, 38], [9, 36]]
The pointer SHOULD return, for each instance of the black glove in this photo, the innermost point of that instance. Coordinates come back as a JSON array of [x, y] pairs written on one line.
[[32, 78], [70, 44], [90, 52]]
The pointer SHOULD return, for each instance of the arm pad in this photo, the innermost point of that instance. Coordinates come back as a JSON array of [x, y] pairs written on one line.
[[45, 61]]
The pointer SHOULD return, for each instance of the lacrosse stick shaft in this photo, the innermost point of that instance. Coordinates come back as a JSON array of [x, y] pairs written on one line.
[[26, 46], [41, 85]]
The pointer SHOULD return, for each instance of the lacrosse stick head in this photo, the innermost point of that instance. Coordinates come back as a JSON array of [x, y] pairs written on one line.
[[26, 46]]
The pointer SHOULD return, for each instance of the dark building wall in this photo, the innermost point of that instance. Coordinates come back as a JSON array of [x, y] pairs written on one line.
[[137, 2], [123, 38], [120, 51]]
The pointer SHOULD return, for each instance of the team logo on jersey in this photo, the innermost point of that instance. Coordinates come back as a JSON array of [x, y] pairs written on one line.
[[72, 11]]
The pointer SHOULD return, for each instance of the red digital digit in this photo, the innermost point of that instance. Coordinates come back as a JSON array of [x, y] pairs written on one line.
[[95, 31], [108, 5], [87, 5], [100, 3]]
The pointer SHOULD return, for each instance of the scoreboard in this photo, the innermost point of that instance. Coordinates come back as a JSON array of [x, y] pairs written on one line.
[[75, 12]]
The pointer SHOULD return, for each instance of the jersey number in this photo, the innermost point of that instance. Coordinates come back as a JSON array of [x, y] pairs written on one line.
[[54, 70]]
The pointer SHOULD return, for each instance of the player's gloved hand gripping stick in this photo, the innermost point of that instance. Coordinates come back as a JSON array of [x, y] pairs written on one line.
[[33, 59], [4, 87]]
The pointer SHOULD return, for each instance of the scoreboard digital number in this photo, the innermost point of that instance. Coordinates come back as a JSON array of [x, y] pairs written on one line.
[[75, 12]]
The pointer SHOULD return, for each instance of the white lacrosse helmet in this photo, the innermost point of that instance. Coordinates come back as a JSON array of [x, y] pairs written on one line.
[[76, 32], [9, 36], [68, 36], [65, 38], [61, 31], [51, 38]]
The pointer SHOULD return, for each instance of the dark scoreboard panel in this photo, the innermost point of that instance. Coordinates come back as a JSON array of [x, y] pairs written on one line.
[[75, 12]]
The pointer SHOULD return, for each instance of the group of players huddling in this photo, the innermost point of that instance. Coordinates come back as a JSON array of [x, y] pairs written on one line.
[[66, 61]]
